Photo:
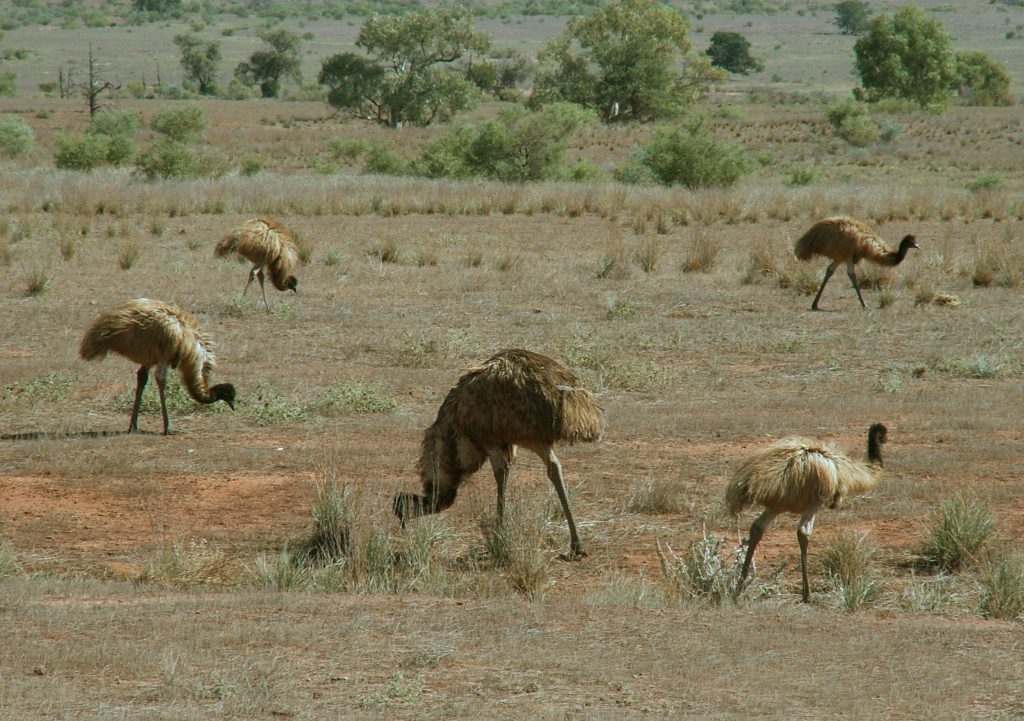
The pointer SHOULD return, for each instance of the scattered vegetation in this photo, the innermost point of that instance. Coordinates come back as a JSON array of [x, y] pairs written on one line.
[[958, 532], [847, 561]]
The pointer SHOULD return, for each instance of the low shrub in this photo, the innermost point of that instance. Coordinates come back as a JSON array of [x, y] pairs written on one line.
[[15, 136]]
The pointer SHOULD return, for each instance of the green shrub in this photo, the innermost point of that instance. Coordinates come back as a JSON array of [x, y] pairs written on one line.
[[800, 177], [852, 122], [180, 124], [251, 165], [383, 160], [691, 158], [986, 181], [86, 152], [518, 145], [15, 136], [167, 158]]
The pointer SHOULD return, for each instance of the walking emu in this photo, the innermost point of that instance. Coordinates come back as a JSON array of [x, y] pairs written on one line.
[[516, 398], [849, 241], [152, 333], [800, 475], [266, 244]]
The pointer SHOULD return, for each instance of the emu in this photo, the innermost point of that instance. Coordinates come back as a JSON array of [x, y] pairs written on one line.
[[845, 240], [800, 475], [266, 244], [153, 333], [516, 398]]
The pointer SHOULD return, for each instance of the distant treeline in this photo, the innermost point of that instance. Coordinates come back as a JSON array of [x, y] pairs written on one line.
[[73, 13]]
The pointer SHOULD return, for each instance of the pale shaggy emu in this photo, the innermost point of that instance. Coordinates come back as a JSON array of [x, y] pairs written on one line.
[[800, 475], [152, 333], [266, 244], [516, 398], [845, 240]]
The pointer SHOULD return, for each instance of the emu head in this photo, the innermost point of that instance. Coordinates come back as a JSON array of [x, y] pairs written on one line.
[[909, 241], [292, 283], [407, 505], [224, 392]]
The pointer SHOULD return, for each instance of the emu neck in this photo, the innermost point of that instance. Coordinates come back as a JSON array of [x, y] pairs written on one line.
[[874, 449], [897, 257]]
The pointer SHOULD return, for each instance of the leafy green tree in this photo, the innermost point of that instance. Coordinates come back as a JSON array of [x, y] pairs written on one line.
[[406, 78], [266, 67], [907, 55], [981, 80], [852, 16], [731, 51], [200, 59], [630, 60]]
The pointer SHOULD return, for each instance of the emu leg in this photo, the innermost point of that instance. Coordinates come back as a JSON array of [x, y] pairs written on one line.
[[828, 274], [161, 384], [252, 275], [140, 385], [263, 289], [555, 476], [501, 462], [803, 534], [850, 271], [757, 529]]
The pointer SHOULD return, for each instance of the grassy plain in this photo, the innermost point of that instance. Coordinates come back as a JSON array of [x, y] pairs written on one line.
[[141, 575]]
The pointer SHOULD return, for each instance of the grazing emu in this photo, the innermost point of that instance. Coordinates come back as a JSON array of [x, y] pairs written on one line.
[[849, 241], [800, 475], [264, 243], [516, 398], [152, 333]]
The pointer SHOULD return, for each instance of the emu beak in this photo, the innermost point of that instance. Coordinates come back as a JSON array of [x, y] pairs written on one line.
[[232, 404]]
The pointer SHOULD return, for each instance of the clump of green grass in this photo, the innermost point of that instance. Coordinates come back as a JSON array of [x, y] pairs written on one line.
[[517, 544], [847, 561], [928, 594], [423, 351], [979, 366], [129, 254], [9, 565], [613, 265], [508, 262], [801, 176], [958, 533], [657, 497], [50, 387], [1002, 588], [191, 564], [603, 364], [333, 523], [385, 252], [986, 181], [157, 226], [265, 405], [68, 245], [621, 307], [648, 255], [701, 255], [762, 262], [359, 397], [703, 573], [36, 282]]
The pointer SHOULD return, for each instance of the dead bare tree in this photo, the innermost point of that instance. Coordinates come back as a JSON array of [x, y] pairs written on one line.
[[96, 84]]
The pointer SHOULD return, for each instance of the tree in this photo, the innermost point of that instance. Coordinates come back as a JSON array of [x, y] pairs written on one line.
[[981, 80], [731, 51], [96, 84], [630, 60], [406, 78], [852, 16], [267, 67], [200, 59], [907, 55], [159, 7]]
